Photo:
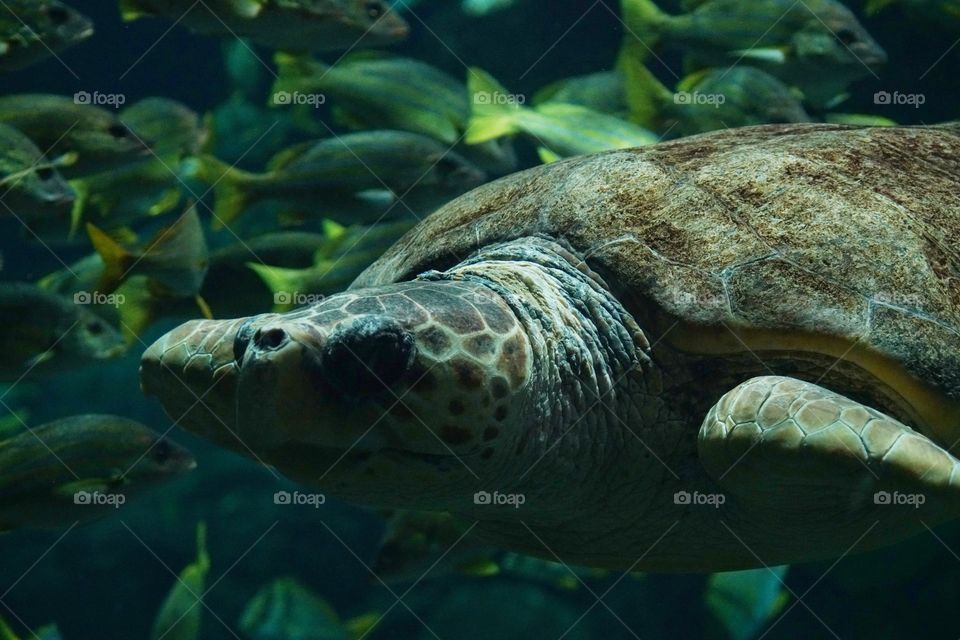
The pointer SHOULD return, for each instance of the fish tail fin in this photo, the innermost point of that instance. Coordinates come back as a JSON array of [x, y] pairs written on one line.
[[281, 282], [130, 11], [643, 20], [295, 72], [231, 187], [492, 113], [646, 95], [117, 261]]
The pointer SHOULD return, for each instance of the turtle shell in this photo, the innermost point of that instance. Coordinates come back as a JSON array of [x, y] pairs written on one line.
[[835, 239]]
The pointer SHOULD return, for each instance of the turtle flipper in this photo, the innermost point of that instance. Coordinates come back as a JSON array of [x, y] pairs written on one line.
[[805, 456]]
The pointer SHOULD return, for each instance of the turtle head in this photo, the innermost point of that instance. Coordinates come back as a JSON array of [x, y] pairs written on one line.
[[390, 390]]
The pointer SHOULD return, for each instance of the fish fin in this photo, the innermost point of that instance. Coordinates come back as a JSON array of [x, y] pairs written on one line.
[[646, 95], [6, 633], [81, 198], [643, 20], [40, 358], [248, 9], [547, 156], [117, 261], [130, 10], [295, 72], [204, 307], [138, 310], [277, 279], [88, 484], [230, 187], [490, 117], [836, 101], [479, 569], [360, 626], [170, 199], [177, 257], [773, 55]]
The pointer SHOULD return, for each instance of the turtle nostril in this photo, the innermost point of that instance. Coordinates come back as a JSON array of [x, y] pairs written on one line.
[[269, 339]]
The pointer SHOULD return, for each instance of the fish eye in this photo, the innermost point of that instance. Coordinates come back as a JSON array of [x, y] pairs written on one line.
[[846, 37], [58, 15], [118, 131], [161, 451], [95, 328], [45, 173], [374, 9]]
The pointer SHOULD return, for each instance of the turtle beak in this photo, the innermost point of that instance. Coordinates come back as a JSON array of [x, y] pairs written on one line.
[[193, 372]]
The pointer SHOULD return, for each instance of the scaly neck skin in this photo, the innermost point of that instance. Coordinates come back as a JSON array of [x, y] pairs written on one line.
[[589, 376]]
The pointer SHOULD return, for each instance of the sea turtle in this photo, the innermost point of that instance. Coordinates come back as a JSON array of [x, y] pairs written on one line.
[[730, 350]]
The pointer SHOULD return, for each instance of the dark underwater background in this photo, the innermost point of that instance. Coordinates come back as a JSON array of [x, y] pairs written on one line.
[[106, 580]]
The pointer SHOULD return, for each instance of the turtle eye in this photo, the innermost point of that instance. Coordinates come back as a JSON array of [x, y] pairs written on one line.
[[58, 15], [368, 356], [94, 328], [45, 173], [374, 9]]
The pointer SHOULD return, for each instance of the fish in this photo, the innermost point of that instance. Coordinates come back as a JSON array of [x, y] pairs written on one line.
[[176, 259], [559, 130], [31, 186], [303, 25], [343, 255], [859, 119], [341, 166], [34, 30], [45, 332], [181, 615], [818, 46], [371, 90], [60, 126], [711, 99], [81, 468], [285, 609], [153, 186]]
